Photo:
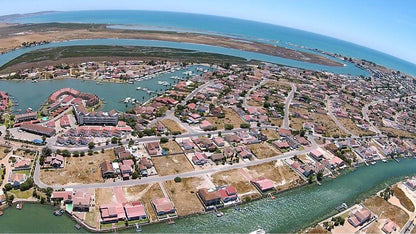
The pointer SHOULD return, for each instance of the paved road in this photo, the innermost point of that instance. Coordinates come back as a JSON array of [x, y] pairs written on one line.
[[171, 112], [288, 101], [329, 110], [157, 179], [366, 118], [254, 88], [5, 162]]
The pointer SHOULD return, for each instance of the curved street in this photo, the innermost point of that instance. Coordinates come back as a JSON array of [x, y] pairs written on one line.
[[288, 101]]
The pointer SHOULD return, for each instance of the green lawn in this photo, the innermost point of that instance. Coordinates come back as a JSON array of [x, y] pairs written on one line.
[[22, 194], [110, 225], [26, 172]]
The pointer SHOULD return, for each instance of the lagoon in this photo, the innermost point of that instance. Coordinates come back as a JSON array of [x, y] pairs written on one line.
[[348, 69]]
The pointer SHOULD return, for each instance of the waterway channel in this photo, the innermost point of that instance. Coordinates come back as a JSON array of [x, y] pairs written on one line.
[[288, 212]]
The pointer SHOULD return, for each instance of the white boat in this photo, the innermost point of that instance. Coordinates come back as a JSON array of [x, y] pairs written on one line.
[[258, 231], [220, 214], [139, 88]]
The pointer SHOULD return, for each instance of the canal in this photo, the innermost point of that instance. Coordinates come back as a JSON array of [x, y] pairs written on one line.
[[288, 212]]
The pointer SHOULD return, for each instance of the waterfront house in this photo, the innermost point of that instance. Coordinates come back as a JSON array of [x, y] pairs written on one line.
[[112, 213], [263, 185], [26, 117], [107, 170], [81, 201], [209, 198], [163, 206], [65, 196], [135, 211], [228, 194], [359, 216]]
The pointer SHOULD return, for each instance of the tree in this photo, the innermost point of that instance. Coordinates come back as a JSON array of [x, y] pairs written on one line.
[[26, 185], [65, 153], [114, 140], [91, 145], [75, 154], [90, 152], [164, 140], [131, 143], [177, 179], [244, 125], [82, 154], [8, 187], [135, 175], [228, 126]]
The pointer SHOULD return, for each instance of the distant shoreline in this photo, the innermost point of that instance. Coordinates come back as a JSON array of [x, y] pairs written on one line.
[[13, 36]]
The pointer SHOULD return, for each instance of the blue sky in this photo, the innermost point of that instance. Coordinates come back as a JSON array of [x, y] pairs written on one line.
[[388, 26]]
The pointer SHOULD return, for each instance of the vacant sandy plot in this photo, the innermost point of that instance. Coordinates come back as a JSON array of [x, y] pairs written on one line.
[[254, 103], [144, 193], [283, 176], [276, 121], [184, 196], [403, 198], [263, 150], [104, 196], [397, 132], [381, 207], [172, 146], [173, 164], [353, 128], [270, 134], [2, 153], [78, 170], [235, 178], [172, 125], [231, 117], [318, 229]]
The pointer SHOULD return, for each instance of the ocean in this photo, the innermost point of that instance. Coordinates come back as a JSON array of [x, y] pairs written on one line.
[[268, 33]]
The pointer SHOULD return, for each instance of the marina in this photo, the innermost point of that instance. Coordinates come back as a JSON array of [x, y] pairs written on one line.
[[142, 91]]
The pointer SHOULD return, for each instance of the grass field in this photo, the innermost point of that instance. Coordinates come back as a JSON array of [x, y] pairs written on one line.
[[172, 125], [22, 194], [184, 196], [235, 178], [231, 117], [381, 207], [173, 164], [78, 170], [263, 150]]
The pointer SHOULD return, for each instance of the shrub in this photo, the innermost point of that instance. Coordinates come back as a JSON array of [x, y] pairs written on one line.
[[177, 179], [164, 140]]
